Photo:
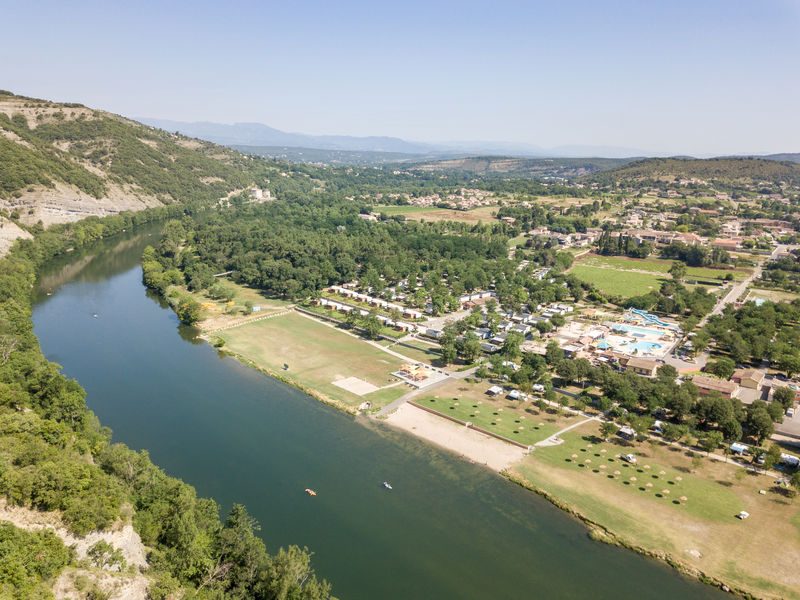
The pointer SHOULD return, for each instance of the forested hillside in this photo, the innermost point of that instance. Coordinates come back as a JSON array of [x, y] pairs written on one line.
[[521, 167], [62, 162], [720, 170]]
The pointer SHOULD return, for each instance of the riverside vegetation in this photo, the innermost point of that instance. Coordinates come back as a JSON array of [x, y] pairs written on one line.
[[56, 456]]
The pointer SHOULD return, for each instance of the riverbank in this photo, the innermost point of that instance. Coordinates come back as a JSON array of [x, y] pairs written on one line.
[[614, 518], [467, 443], [244, 438]]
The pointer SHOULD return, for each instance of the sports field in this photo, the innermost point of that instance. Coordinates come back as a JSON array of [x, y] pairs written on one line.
[[667, 502], [317, 355]]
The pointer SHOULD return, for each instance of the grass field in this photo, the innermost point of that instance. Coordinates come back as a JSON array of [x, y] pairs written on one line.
[[419, 351], [316, 354], [618, 283], [626, 277], [659, 266], [771, 295], [701, 530], [216, 313], [432, 213], [515, 420]]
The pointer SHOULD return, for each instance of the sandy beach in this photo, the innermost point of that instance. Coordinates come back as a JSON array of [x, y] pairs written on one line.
[[475, 446]]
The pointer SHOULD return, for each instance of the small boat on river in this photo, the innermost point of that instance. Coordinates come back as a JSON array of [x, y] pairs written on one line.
[[310, 492], [387, 485]]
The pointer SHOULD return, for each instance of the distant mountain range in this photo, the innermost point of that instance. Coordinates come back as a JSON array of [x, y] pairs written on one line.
[[255, 135], [257, 138]]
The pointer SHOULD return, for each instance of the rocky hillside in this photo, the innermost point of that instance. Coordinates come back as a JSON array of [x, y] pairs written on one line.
[[62, 162]]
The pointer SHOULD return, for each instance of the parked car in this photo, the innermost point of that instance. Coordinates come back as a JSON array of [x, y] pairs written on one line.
[[630, 458], [790, 412]]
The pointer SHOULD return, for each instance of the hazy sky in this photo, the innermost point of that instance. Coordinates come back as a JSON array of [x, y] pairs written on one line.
[[680, 76]]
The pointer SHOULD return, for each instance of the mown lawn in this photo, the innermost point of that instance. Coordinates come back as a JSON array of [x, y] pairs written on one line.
[[418, 351], [513, 419], [667, 485], [316, 354], [702, 530], [660, 266], [618, 283]]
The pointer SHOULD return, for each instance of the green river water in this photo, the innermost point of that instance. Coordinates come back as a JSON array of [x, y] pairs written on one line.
[[449, 529]]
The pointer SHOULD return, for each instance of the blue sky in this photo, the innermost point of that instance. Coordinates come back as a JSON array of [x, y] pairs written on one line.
[[694, 77]]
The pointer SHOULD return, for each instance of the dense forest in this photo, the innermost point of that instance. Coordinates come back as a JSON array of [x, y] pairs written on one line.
[[294, 250], [55, 456]]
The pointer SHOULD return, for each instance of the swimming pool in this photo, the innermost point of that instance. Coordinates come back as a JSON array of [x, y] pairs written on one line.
[[640, 330], [644, 347]]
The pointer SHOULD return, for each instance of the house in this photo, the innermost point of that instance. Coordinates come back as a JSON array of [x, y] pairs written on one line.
[[483, 333], [642, 366], [752, 379], [733, 243], [494, 390], [710, 385]]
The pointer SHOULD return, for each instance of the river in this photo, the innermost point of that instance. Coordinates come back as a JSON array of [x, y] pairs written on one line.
[[449, 529]]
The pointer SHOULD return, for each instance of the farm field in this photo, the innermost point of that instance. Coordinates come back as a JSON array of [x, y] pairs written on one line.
[[433, 214], [520, 421], [669, 502], [317, 355]]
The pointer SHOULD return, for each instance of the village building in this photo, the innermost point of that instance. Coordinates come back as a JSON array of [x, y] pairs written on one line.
[[749, 378], [646, 367], [710, 385]]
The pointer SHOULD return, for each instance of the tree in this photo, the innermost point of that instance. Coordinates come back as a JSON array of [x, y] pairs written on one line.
[[553, 353], [759, 422], [674, 433], [470, 347], [449, 352], [607, 429], [188, 310], [678, 271], [772, 456], [372, 326], [102, 554], [723, 368], [711, 441], [511, 345], [567, 371], [784, 396]]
